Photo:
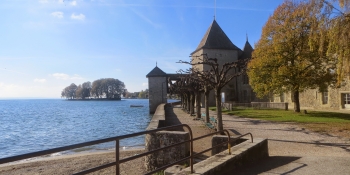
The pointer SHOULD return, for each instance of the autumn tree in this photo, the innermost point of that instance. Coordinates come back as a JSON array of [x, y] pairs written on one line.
[[335, 27], [284, 60]]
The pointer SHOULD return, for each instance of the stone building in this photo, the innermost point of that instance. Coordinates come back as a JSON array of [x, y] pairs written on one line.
[[216, 44], [332, 98], [157, 86]]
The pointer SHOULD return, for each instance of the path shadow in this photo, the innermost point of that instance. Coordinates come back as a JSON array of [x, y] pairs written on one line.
[[171, 119], [344, 146], [235, 132], [268, 164]]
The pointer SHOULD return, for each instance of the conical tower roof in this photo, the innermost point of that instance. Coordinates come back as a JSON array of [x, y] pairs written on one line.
[[215, 38], [247, 51], [156, 72]]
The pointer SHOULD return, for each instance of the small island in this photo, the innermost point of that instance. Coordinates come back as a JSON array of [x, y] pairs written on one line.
[[103, 89]]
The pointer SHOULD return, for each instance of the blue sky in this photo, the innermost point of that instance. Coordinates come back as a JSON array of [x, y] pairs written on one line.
[[46, 45]]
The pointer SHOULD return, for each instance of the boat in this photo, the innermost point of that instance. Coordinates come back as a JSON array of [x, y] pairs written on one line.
[[135, 106]]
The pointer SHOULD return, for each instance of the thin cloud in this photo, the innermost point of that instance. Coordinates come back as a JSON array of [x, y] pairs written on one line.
[[77, 17], [155, 25], [73, 3], [43, 1], [9, 70], [145, 84], [62, 76], [57, 14], [181, 6], [40, 80]]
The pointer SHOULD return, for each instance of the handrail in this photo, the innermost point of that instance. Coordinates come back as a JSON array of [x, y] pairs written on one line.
[[64, 148], [117, 138]]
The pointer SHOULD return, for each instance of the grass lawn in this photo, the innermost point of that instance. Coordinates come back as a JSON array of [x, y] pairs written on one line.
[[325, 122]]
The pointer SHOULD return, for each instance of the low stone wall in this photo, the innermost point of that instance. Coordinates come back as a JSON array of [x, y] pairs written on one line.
[[217, 139], [162, 139], [256, 105], [224, 163], [272, 105], [158, 118]]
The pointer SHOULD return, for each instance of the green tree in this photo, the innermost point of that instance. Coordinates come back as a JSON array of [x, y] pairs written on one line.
[[284, 60], [142, 94]]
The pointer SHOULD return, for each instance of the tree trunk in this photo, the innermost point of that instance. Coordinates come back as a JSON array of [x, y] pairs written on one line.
[[198, 104], [219, 126], [206, 101], [192, 104], [188, 106], [296, 101]]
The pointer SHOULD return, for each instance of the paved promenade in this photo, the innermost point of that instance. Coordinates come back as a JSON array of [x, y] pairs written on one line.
[[292, 149]]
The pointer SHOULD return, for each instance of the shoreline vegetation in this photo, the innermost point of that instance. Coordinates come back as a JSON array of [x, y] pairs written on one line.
[[104, 87], [94, 99]]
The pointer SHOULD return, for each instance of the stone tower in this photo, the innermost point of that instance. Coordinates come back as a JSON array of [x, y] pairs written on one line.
[[157, 86], [216, 44]]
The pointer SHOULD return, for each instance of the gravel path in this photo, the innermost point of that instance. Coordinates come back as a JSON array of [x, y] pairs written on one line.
[[293, 149]]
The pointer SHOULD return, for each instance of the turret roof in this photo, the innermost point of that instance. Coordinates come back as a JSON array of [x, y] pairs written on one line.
[[215, 38], [247, 51], [156, 72]]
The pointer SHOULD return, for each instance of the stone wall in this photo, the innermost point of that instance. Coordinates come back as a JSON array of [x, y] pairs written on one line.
[[313, 99], [164, 157], [162, 139]]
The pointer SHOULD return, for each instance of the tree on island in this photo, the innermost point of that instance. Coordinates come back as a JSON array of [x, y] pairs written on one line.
[[109, 88], [285, 59], [69, 91], [83, 91]]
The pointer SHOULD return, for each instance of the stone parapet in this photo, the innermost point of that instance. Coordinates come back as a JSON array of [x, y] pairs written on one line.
[[224, 163], [162, 139]]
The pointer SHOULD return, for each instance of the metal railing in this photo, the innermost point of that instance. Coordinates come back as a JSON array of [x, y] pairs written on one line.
[[118, 161]]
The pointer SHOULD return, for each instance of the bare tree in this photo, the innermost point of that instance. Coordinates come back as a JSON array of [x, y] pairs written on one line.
[[217, 76]]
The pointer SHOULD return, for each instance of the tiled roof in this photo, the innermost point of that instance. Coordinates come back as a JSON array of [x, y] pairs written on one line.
[[156, 72], [215, 38]]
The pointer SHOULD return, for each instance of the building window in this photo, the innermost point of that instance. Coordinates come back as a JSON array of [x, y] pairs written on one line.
[[252, 95], [282, 97], [244, 95], [245, 79], [325, 97], [347, 98]]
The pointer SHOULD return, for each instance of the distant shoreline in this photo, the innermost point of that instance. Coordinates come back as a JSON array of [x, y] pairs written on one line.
[[95, 99]]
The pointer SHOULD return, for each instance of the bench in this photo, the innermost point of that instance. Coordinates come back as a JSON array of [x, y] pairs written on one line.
[[212, 119], [210, 126]]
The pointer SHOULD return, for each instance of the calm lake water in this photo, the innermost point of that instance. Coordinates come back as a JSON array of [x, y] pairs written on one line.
[[34, 125]]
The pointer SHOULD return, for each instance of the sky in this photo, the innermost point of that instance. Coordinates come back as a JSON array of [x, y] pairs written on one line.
[[45, 45]]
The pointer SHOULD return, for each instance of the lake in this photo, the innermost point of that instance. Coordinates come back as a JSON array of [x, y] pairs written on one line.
[[39, 124]]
